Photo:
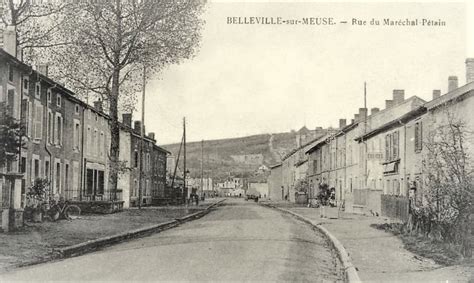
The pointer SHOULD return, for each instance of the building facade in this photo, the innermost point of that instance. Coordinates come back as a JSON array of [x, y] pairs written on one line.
[[67, 141]]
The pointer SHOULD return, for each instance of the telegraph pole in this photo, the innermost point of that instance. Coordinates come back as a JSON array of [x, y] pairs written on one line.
[[142, 136], [202, 168], [365, 131], [184, 157]]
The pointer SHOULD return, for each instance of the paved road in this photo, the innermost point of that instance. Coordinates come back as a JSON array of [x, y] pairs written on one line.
[[240, 241]]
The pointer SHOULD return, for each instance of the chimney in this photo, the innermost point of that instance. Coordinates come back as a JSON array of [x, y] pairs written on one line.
[[469, 70], [137, 126], [436, 93], [398, 96], [388, 104], [9, 41], [452, 83], [352, 121], [151, 135], [374, 110], [42, 69], [342, 123], [98, 105], [363, 114], [127, 119], [356, 117]]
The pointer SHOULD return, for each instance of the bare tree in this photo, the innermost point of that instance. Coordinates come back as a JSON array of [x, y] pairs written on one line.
[[35, 23], [114, 42], [448, 200]]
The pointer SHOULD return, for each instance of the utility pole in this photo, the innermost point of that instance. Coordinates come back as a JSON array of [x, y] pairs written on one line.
[[202, 168], [365, 131], [142, 136], [184, 157]]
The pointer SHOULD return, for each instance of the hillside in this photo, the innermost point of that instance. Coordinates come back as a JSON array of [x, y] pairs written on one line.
[[236, 156]]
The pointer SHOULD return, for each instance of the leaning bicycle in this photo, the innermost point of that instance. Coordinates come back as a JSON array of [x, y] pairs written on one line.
[[62, 210]]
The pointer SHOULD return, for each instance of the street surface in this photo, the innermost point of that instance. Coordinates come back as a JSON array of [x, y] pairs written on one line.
[[240, 241]]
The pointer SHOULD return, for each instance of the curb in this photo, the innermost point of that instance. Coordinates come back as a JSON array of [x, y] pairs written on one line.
[[95, 244], [198, 214], [350, 271]]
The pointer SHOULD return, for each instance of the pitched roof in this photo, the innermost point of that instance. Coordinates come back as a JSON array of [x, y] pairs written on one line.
[[450, 96]]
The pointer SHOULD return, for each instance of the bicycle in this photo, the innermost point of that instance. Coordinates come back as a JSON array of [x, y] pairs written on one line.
[[62, 210]]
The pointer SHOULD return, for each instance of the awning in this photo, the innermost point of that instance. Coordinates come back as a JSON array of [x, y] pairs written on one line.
[[389, 168]]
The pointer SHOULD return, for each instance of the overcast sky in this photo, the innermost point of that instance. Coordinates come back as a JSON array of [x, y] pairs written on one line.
[[253, 79]]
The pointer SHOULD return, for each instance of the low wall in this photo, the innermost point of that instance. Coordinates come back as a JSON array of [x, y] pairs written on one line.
[[101, 207]]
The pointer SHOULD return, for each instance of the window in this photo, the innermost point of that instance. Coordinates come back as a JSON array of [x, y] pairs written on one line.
[[36, 168], [387, 148], [76, 109], [50, 126], [38, 90], [57, 187], [11, 100], [59, 129], [48, 95], [24, 113], [26, 85], [136, 159], [392, 149], [418, 136], [95, 142], [58, 100], [95, 182], [10, 73], [38, 122], [23, 165], [30, 122], [76, 134], [101, 144], [46, 170], [100, 183], [66, 179], [89, 139], [395, 143], [90, 182]]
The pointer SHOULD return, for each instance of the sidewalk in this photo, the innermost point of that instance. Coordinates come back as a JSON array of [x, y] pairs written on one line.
[[379, 256], [36, 241]]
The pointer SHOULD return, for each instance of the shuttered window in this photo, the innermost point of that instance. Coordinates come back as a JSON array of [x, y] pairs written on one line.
[[38, 122]]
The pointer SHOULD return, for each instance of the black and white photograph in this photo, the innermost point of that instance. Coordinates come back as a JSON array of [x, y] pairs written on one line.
[[236, 141]]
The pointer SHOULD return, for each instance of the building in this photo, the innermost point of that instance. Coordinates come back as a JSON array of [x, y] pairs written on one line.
[[67, 143], [275, 184], [260, 188], [348, 163], [295, 167]]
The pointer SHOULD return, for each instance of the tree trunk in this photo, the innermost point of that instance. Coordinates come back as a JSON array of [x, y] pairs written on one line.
[[114, 135]]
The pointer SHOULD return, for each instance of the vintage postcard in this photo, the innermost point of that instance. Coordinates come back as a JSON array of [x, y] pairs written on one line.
[[224, 141]]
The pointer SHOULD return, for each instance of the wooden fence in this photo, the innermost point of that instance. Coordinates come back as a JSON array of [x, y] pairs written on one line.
[[395, 207]]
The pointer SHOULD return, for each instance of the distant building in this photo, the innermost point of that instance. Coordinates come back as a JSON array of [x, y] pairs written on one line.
[[261, 188], [275, 184]]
